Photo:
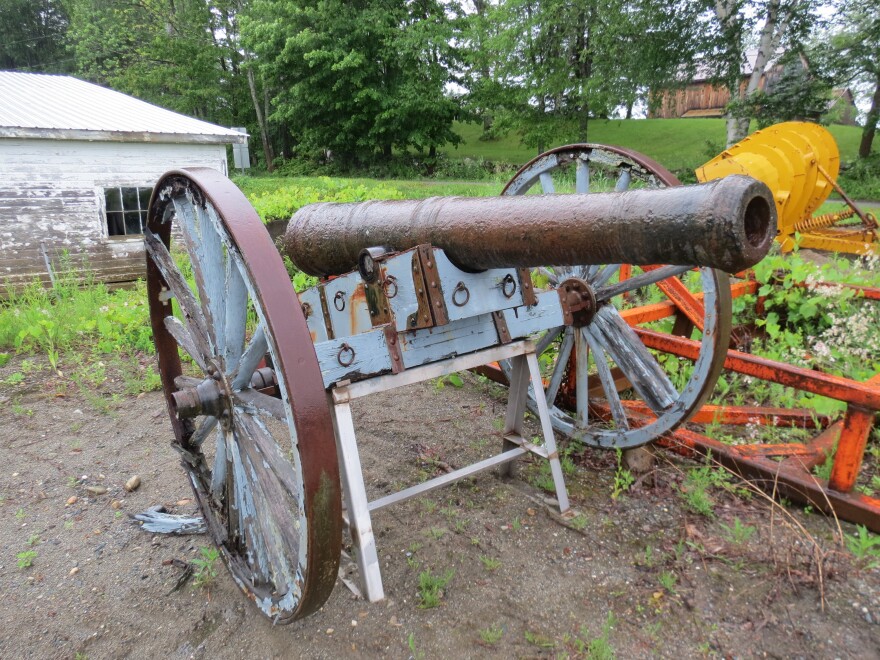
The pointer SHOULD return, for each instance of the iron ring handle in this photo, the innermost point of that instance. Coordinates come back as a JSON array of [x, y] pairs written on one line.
[[339, 300], [387, 284], [508, 286], [460, 289], [345, 356]]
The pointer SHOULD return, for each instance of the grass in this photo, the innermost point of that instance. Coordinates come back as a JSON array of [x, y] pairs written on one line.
[[675, 143], [71, 321]]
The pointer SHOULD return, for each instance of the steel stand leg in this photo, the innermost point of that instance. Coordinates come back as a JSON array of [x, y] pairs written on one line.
[[355, 493], [525, 371]]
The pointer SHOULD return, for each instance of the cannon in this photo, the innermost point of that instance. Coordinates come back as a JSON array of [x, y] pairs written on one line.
[[418, 289]]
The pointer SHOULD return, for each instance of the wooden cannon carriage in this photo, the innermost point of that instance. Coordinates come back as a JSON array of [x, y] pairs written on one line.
[[413, 290]]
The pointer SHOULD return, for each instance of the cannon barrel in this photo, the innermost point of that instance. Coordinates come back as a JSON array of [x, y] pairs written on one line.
[[727, 224]]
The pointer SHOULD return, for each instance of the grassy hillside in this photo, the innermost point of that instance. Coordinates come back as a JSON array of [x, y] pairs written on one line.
[[675, 143]]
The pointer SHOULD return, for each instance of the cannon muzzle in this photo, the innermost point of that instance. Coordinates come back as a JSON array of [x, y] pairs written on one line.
[[727, 224]]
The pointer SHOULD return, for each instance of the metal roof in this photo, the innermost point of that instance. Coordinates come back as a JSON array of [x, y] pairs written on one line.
[[61, 107]]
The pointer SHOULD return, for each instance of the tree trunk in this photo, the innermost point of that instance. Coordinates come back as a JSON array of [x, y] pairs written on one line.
[[264, 133], [871, 123], [768, 42]]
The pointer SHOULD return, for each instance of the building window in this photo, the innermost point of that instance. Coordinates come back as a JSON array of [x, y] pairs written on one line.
[[126, 210]]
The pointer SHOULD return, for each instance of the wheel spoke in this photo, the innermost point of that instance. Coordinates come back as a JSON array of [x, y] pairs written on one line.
[[184, 212], [270, 514], [180, 289], [247, 528], [624, 179], [250, 359], [623, 345], [560, 366], [549, 274], [236, 302], [255, 402], [633, 283], [547, 186], [582, 176], [604, 275], [201, 434], [186, 341], [218, 473], [608, 384], [582, 380], [214, 266], [262, 445], [544, 342]]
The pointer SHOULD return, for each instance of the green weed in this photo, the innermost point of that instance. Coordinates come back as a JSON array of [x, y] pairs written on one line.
[[623, 478], [539, 640], [668, 579], [491, 635], [697, 484], [865, 546], [431, 588], [449, 379], [597, 648], [14, 379], [415, 653], [436, 533], [737, 534], [26, 559], [204, 566], [490, 563], [579, 522]]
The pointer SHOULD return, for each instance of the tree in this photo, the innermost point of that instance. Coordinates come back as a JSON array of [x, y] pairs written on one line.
[[556, 60], [356, 79], [766, 24], [33, 36], [854, 52]]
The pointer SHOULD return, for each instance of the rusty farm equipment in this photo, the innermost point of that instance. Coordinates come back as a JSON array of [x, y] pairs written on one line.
[[414, 290], [799, 162], [782, 469]]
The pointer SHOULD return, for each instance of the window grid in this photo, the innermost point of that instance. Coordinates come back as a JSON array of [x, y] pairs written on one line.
[[126, 210]]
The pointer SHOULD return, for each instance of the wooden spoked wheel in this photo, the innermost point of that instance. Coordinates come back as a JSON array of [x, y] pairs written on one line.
[[263, 468], [642, 397]]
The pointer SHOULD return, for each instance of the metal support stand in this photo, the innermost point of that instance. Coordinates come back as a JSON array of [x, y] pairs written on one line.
[[525, 373]]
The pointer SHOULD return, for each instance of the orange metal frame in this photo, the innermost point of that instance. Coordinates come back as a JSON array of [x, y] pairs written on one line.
[[784, 469]]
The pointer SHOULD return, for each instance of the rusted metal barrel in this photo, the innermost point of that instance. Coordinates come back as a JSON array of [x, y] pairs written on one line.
[[727, 224]]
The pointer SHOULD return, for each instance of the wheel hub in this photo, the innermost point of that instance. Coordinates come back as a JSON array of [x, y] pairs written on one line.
[[578, 302], [212, 397]]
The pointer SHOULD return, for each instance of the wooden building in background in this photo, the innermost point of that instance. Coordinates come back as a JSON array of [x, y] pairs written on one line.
[[77, 166], [700, 98]]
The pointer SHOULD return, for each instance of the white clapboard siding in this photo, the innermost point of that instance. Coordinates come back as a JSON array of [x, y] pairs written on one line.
[[51, 191]]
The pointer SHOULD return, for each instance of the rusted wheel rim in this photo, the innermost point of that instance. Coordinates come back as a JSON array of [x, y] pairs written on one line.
[[607, 335], [264, 469]]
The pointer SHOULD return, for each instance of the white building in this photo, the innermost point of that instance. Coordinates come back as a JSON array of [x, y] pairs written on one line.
[[77, 165]]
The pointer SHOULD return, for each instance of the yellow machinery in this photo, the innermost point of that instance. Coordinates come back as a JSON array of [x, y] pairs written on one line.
[[799, 162]]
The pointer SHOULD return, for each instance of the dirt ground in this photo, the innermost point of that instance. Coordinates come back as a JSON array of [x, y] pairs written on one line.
[[636, 576]]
